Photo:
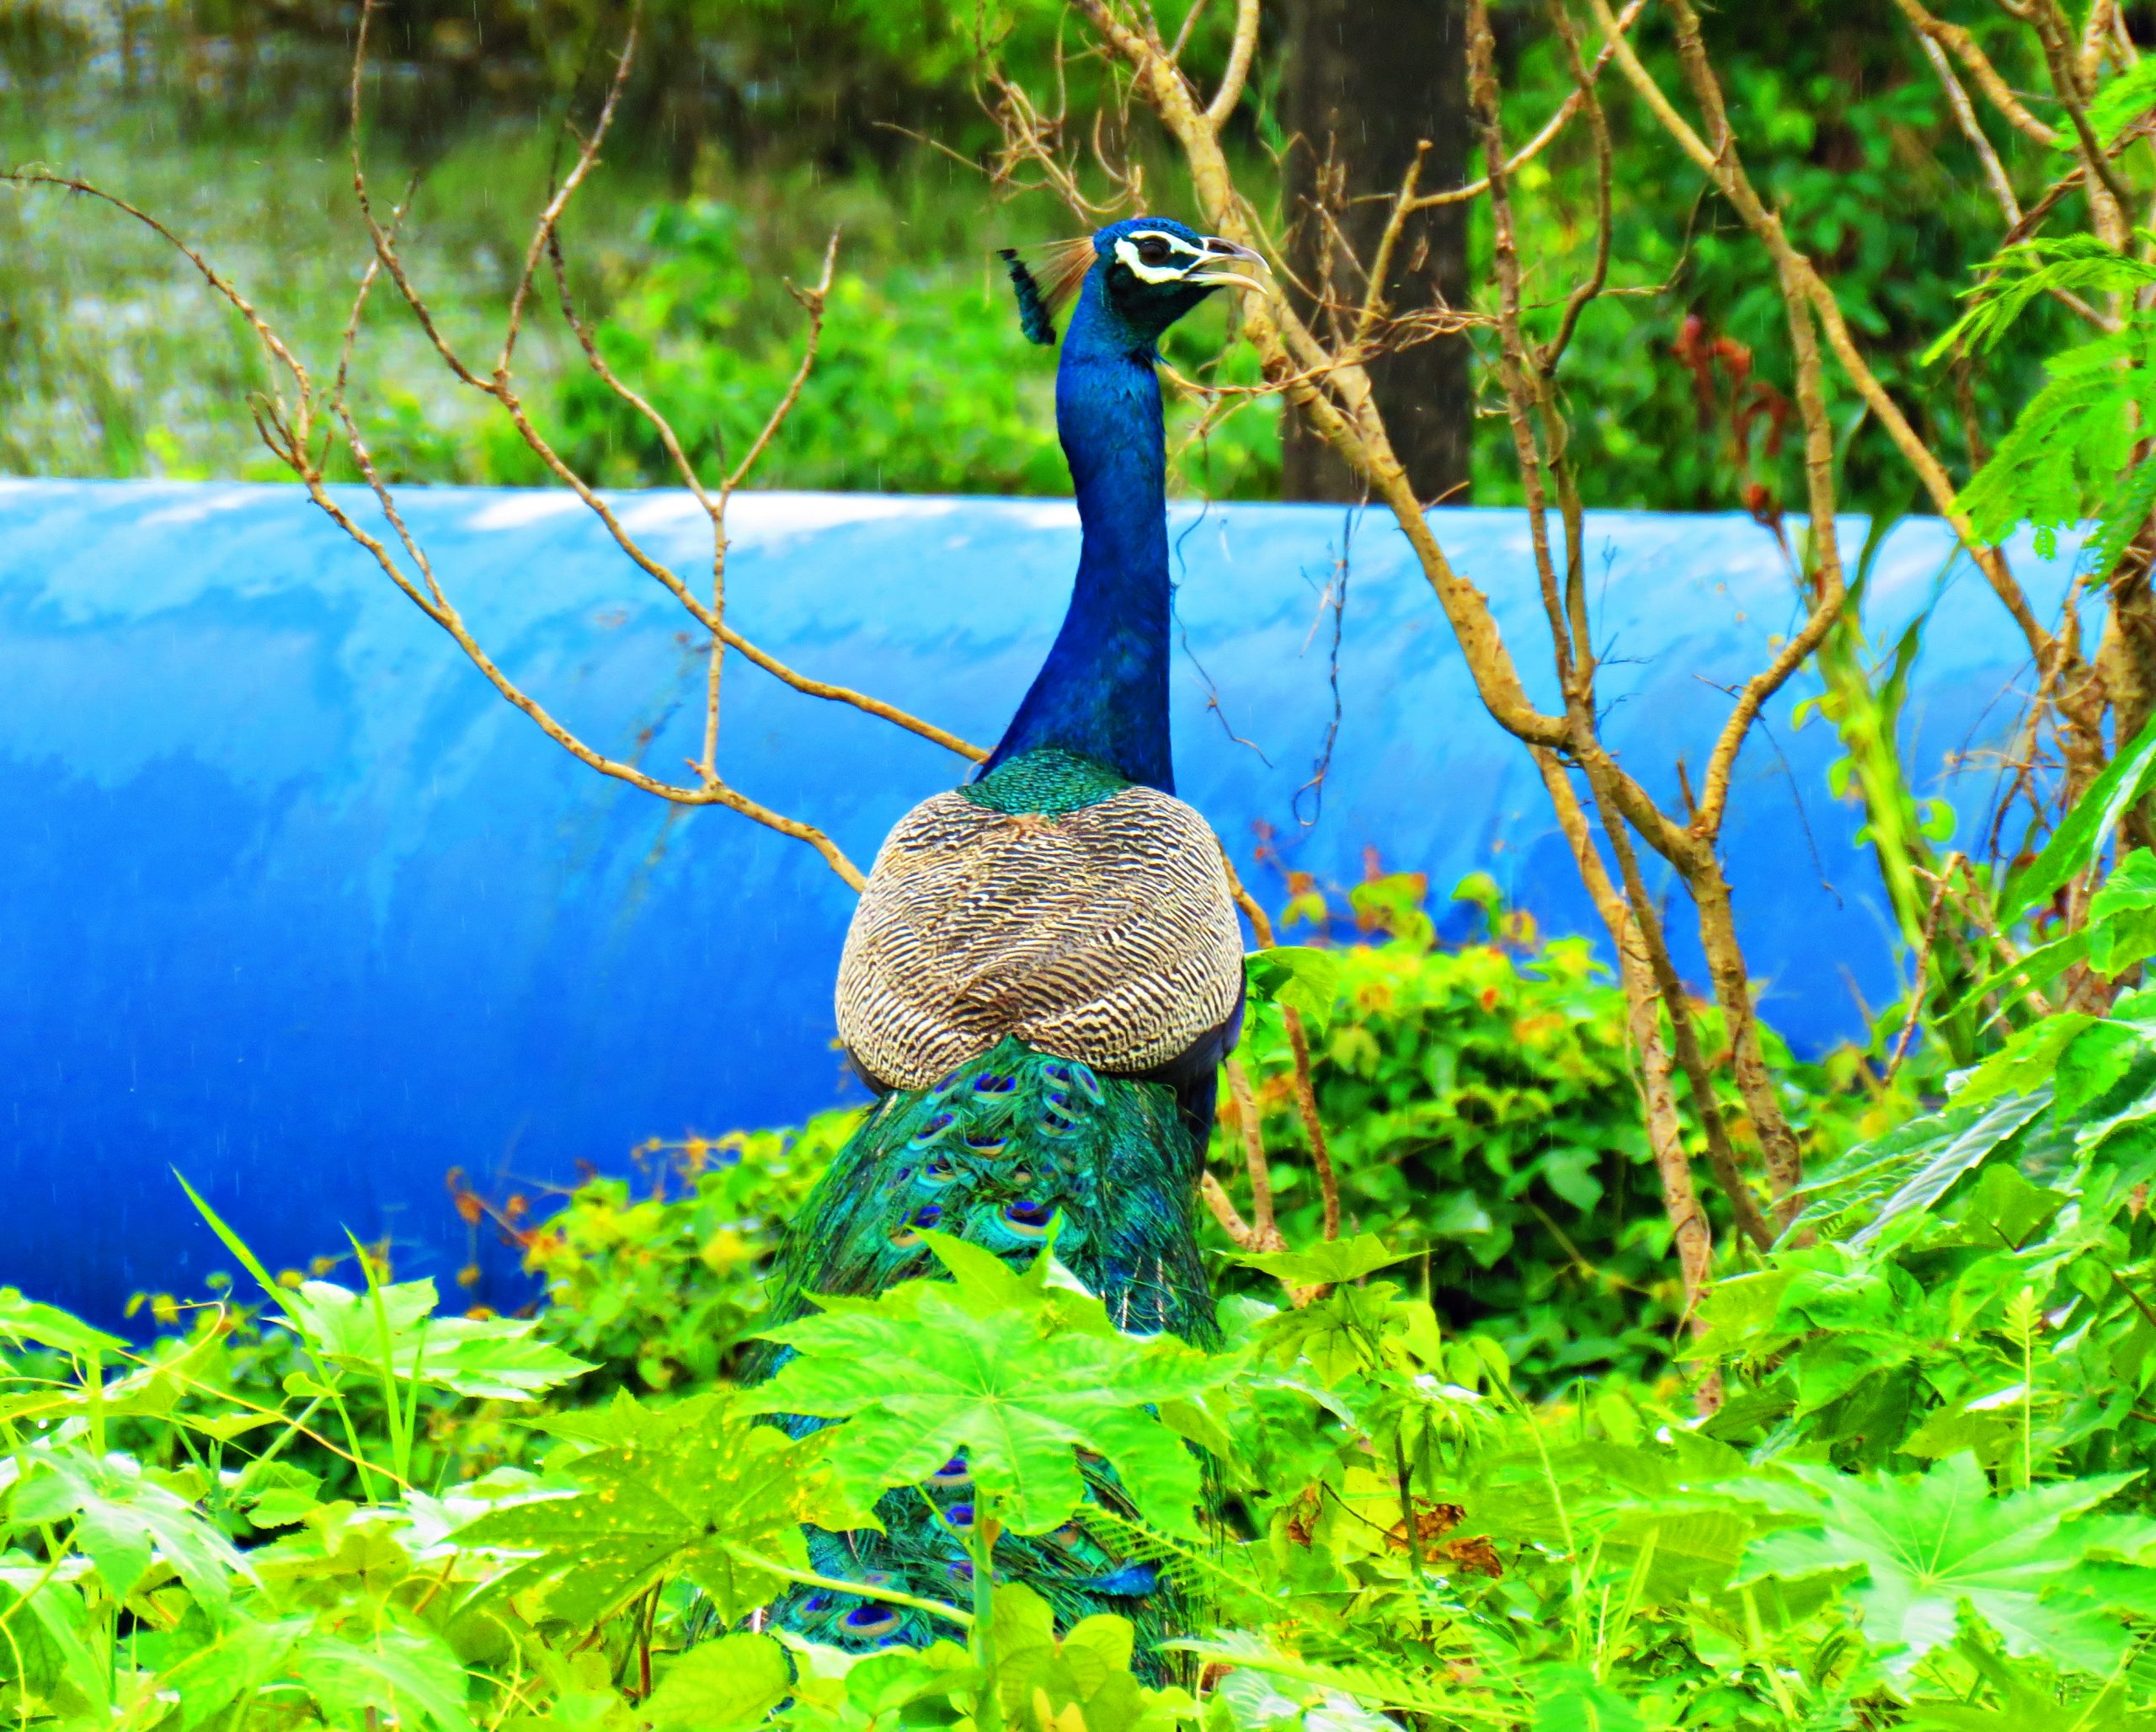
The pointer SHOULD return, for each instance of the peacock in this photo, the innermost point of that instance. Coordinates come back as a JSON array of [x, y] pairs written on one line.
[[1045, 971]]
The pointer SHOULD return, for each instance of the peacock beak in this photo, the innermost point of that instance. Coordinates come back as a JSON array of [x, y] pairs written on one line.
[[1225, 263]]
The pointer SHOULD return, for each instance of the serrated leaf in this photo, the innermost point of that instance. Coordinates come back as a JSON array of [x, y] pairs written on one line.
[[489, 1359], [1932, 1542], [692, 1487], [1013, 1372], [731, 1680], [123, 1520], [1912, 1166], [1329, 1262]]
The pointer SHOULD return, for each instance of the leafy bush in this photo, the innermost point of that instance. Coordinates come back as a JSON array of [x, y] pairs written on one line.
[[923, 382], [1480, 1103], [1918, 1502], [1919, 1508]]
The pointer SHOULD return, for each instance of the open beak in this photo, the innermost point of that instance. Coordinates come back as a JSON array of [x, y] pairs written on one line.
[[1225, 263]]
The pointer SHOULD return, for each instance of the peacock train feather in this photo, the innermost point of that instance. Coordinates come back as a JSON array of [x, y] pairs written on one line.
[[1041, 980]]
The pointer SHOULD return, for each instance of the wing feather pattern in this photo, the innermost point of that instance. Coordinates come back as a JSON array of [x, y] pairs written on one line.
[[1107, 935]]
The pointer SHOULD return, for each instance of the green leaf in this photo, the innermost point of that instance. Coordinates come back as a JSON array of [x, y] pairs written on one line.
[[2027, 1062], [229, 1662], [2100, 1058], [2123, 99], [1015, 1372], [52, 1640], [1301, 976], [404, 1673], [1328, 1264], [1930, 1543], [26, 1323], [732, 1681], [1911, 1167], [489, 1359], [2121, 929], [2084, 831], [687, 1489], [124, 1519]]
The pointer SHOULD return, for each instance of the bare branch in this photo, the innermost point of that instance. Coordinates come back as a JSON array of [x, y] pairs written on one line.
[[1550, 128], [1768, 227], [543, 231], [1245, 44], [812, 302], [1299, 1045], [1965, 117], [1264, 1236], [1995, 88]]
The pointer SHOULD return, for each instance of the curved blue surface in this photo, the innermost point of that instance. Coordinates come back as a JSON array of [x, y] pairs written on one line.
[[295, 904]]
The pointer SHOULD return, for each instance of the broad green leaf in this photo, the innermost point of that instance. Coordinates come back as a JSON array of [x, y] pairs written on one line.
[[689, 1487], [490, 1359], [404, 1673], [2121, 924], [24, 1322], [1040, 1677], [124, 1520], [1741, 1313], [1911, 1167], [2091, 1064], [1301, 976], [1931, 1542], [1327, 1264], [883, 1685], [1570, 1699], [2027, 1062], [229, 1662], [1684, 1549], [731, 1680], [2026, 1709], [1012, 1371], [2083, 832], [51, 1629]]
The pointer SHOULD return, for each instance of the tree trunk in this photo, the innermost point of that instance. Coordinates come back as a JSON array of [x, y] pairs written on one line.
[[1367, 81]]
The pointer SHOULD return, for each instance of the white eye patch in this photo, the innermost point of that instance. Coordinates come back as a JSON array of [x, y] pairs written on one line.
[[1169, 270]]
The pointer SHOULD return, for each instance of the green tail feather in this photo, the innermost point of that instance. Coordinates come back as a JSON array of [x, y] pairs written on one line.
[[993, 1155]]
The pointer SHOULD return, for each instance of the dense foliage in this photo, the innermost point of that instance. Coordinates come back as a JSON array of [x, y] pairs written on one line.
[[1917, 1503], [741, 149]]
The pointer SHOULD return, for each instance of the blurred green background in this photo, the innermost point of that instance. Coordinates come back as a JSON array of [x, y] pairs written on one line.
[[751, 128]]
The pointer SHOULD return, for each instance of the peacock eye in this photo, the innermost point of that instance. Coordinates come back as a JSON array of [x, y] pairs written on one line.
[[1153, 250]]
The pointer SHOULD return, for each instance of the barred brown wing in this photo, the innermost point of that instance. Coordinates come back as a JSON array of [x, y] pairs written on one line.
[[1107, 934]]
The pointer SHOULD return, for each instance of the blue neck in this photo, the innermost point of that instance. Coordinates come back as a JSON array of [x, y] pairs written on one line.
[[1103, 691]]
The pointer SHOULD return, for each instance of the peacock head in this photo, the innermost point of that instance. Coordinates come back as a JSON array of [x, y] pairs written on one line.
[[1149, 271]]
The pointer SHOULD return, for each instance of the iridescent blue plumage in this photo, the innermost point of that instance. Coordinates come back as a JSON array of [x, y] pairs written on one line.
[[1103, 691], [1015, 1137]]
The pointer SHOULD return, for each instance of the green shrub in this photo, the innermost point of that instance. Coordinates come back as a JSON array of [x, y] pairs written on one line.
[[923, 382], [1480, 1106]]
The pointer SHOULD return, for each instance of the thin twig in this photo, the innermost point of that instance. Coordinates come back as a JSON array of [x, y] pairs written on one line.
[[1550, 128], [1264, 1235], [1923, 967], [1313, 1127]]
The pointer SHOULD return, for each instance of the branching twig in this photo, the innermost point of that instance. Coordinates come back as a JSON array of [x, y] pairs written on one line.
[[1264, 1235], [1328, 1181]]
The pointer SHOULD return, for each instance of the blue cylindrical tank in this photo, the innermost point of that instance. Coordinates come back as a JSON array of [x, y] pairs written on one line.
[[296, 905]]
